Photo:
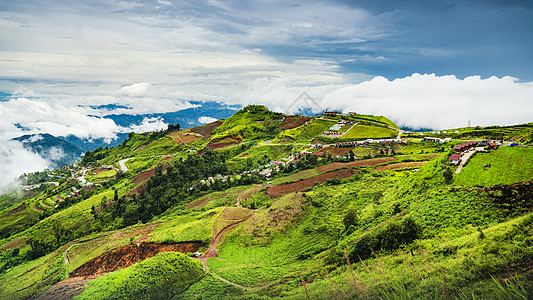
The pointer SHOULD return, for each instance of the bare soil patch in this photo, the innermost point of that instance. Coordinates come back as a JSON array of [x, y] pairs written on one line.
[[405, 165], [358, 163], [337, 150], [183, 137], [136, 190], [120, 258], [293, 122], [37, 209], [65, 290], [99, 170], [60, 199], [14, 211], [280, 190], [207, 130], [143, 176], [221, 143]]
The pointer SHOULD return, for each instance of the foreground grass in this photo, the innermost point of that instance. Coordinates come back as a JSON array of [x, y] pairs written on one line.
[[159, 277]]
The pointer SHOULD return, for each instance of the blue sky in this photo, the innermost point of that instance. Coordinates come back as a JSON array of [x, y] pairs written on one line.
[[155, 56]]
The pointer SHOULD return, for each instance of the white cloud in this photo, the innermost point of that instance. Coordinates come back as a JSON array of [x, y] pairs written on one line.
[[134, 90], [206, 120], [16, 160], [54, 153], [52, 116], [149, 124], [439, 102], [35, 138]]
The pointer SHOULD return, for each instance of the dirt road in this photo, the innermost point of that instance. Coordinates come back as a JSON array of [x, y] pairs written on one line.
[[212, 252]]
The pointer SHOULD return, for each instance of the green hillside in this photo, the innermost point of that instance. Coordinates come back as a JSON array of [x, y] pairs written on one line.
[[276, 209]]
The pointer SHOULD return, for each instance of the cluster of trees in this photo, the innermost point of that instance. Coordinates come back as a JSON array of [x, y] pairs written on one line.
[[178, 185], [34, 178], [95, 155], [390, 237]]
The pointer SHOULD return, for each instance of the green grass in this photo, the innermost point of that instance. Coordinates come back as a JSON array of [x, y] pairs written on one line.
[[316, 128], [256, 253], [508, 165], [296, 176], [159, 277], [367, 131], [139, 164], [210, 287], [191, 227], [33, 277]]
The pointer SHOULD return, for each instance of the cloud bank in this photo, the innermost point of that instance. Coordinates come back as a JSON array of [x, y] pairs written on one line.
[[206, 120], [16, 160], [438, 102]]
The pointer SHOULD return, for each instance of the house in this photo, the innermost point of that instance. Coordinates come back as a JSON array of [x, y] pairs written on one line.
[[464, 146], [331, 113], [352, 113], [454, 159]]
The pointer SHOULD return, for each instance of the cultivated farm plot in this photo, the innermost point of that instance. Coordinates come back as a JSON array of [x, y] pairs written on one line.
[[296, 176], [398, 166], [316, 128], [283, 189], [507, 165], [207, 130], [184, 137], [366, 131], [357, 163]]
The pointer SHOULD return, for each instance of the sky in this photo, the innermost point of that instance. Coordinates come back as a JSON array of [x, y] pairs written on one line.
[[422, 63]]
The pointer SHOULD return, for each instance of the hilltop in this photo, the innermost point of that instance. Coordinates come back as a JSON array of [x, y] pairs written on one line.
[[267, 205]]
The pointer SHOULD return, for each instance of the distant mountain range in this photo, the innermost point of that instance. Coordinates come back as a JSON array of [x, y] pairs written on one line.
[[61, 151], [58, 151]]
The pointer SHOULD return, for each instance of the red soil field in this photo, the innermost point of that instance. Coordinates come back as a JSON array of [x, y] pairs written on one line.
[[207, 130], [358, 163], [147, 174], [293, 122], [126, 256], [228, 141], [14, 210], [280, 190]]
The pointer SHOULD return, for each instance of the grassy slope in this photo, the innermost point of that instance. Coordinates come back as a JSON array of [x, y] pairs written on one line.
[[366, 131], [508, 165]]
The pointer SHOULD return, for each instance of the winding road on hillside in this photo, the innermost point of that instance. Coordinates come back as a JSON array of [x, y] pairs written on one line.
[[122, 164], [65, 256]]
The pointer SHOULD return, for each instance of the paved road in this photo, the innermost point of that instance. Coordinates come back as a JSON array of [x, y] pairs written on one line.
[[465, 157], [122, 164]]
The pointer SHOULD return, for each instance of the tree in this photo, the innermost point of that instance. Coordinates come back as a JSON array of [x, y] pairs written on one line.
[[350, 218], [448, 175]]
